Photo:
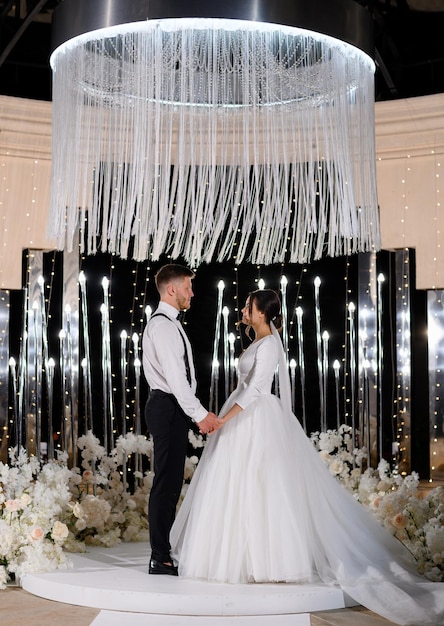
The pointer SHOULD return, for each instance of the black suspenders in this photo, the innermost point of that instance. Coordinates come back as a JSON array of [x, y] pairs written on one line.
[[185, 357], [192, 424]]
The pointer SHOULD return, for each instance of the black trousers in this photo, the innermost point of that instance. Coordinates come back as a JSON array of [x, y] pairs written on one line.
[[168, 426]]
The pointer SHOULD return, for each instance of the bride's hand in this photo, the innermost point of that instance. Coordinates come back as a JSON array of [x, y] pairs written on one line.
[[235, 409], [220, 422]]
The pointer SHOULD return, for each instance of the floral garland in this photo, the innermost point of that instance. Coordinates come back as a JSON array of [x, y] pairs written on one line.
[[49, 510]]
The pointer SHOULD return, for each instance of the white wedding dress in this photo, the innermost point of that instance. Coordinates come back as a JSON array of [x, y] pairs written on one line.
[[262, 506]]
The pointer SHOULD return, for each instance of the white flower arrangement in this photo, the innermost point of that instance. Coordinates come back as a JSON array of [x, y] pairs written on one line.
[[50, 510], [103, 509], [32, 500]]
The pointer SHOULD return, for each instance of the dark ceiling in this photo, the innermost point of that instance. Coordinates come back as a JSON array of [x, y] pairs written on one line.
[[409, 47]]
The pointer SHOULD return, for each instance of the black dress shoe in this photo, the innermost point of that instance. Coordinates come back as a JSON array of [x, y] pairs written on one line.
[[156, 567]]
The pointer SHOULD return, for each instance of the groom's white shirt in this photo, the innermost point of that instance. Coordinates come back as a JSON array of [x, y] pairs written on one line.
[[164, 364]]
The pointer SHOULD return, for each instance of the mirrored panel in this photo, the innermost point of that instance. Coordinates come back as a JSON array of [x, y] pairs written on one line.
[[435, 320]]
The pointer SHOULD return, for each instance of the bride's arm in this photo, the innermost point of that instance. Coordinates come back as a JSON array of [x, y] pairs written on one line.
[[259, 378], [235, 409]]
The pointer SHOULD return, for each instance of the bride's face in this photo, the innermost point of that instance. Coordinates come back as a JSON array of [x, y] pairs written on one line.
[[250, 313]]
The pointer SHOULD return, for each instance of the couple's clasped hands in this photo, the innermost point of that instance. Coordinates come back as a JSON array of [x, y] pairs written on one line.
[[210, 424]]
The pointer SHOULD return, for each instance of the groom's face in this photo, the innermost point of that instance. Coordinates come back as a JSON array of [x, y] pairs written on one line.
[[183, 291]]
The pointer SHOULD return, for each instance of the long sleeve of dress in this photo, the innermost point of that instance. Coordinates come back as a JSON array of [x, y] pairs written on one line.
[[256, 370]]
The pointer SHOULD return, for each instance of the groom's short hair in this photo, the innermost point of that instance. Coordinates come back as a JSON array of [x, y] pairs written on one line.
[[171, 272]]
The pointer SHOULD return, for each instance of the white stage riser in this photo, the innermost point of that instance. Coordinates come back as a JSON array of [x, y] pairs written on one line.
[[116, 579]]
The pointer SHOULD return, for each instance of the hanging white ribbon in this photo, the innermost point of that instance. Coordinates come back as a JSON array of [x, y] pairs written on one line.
[[211, 138]]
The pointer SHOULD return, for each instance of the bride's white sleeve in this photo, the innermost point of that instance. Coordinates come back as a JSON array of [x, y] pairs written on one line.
[[260, 376]]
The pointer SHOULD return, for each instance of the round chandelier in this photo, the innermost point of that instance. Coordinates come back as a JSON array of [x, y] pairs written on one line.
[[208, 136]]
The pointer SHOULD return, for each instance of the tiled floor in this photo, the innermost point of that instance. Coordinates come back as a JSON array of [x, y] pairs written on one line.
[[20, 608]]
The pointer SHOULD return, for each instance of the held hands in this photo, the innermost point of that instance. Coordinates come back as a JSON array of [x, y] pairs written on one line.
[[209, 424], [235, 410], [222, 420]]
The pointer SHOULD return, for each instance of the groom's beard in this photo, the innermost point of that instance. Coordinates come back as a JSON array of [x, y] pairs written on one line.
[[183, 304]]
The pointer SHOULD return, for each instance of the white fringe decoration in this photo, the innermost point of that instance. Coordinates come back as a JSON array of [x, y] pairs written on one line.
[[211, 139]]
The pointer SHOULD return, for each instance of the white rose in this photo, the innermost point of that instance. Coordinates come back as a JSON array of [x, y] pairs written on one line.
[[11, 506], [399, 520], [336, 467], [36, 533], [96, 511], [374, 500], [78, 511], [59, 531], [25, 499]]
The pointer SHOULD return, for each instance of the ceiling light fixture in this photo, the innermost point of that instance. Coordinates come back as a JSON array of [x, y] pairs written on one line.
[[205, 135]]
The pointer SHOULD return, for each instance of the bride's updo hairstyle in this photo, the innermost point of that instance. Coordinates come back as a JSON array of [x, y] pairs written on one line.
[[268, 302]]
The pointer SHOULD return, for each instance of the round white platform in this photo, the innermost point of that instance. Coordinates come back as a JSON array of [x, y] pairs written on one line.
[[116, 579]]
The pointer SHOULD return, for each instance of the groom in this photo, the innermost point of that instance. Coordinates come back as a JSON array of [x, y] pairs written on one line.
[[169, 370]]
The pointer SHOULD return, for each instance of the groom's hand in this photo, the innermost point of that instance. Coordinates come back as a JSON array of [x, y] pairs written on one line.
[[209, 424]]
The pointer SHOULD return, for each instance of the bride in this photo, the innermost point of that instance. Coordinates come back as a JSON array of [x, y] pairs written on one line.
[[263, 507]]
